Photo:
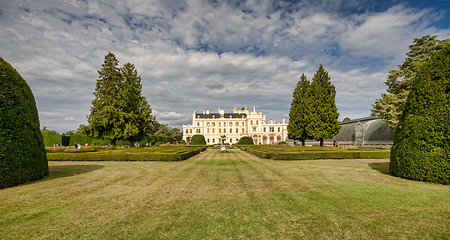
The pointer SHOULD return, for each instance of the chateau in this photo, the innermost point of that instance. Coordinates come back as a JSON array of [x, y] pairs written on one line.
[[235, 125]]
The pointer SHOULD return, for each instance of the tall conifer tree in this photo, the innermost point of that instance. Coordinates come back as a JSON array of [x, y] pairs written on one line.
[[106, 116], [138, 118], [298, 116], [323, 116]]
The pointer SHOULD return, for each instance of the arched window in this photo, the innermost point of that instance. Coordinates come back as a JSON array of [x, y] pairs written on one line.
[[207, 124]]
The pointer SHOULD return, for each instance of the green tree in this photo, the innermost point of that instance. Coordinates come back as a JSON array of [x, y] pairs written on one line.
[[245, 141], [390, 106], [22, 150], [321, 107], [298, 116], [107, 117], [421, 149], [138, 119]]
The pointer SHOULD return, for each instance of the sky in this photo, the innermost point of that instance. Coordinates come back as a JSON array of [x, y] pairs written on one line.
[[199, 54]]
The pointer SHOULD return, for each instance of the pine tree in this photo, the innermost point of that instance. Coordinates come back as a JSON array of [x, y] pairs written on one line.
[[390, 106], [321, 107], [107, 118], [298, 117], [138, 119]]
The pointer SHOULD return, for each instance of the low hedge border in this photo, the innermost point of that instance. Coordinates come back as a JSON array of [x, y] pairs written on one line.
[[159, 154], [303, 153]]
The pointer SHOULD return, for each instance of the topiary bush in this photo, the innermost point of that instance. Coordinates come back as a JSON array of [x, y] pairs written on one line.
[[22, 151], [421, 149], [245, 141], [198, 140]]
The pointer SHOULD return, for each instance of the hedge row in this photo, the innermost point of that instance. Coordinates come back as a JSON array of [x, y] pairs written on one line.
[[307, 153], [139, 154], [51, 140]]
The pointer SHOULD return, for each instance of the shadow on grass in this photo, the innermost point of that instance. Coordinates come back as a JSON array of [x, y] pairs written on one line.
[[69, 170], [380, 167]]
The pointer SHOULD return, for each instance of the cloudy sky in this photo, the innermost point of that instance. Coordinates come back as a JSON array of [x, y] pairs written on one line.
[[200, 54]]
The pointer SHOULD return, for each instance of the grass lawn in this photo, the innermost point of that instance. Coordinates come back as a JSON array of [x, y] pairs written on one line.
[[222, 196]]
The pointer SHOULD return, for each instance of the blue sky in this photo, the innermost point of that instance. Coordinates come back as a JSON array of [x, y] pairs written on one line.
[[209, 54]]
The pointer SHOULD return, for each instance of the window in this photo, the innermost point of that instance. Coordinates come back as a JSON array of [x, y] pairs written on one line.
[[213, 130], [243, 130], [279, 130], [237, 124], [224, 130], [198, 124], [254, 129], [207, 124], [220, 124], [214, 140], [190, 130], [271, 129], [231, 140], [187, 131], [208, 140], [220, 130], [198, 130], [224, 124], [251, 122], [257, 122], [242, 124], [213, 124], [237, 130], [231, 124], [264, 130], [237, 140], [207, 130]]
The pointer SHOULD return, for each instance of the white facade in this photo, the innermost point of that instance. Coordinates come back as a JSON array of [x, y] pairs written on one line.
[[235, 125]]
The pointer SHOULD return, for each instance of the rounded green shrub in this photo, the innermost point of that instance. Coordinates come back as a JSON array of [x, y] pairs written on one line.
[[22, 151], [421, 148], [245, 141], [198, 140]]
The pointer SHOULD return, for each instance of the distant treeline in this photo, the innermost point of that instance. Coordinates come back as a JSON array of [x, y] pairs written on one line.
[[65, 140]]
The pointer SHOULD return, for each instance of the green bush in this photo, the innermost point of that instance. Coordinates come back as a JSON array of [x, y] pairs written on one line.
[[286, 152], [51, 140], [163, 153], [282, 143], [198, 140], [245, 141], [421, 148], [22, 151]]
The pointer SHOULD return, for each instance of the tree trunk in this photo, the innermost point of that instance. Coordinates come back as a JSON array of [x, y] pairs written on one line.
[[131, 143], [303, 142], [113, 142], [321, 142]]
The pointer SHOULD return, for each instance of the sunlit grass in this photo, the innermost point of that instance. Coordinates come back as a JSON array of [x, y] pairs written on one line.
[[234, 195]]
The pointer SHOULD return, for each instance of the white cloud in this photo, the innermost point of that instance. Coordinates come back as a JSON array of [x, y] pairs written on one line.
[[199, 55]]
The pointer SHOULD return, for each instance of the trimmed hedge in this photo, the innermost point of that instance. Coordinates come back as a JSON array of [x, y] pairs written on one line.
[[163, 153], [282, 152], [421, 148], [198, 140], [22, 151], [245, 141]]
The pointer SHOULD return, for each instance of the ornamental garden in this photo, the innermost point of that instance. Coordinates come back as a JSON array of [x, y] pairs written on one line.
[[253, 191]]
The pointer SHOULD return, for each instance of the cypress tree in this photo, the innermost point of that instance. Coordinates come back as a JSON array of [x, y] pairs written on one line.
[[298, 116], [421, 148], [321, 107]]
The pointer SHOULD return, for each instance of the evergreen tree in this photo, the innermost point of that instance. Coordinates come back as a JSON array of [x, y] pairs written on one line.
[[107, 117], [298, 117], [421, 148], [390, 106], [137, 112], [321, 107]]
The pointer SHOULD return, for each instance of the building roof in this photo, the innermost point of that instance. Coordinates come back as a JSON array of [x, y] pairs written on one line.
[[218, 115]]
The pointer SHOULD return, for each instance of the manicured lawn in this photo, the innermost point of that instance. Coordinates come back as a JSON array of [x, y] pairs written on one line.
[[225, 196]]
